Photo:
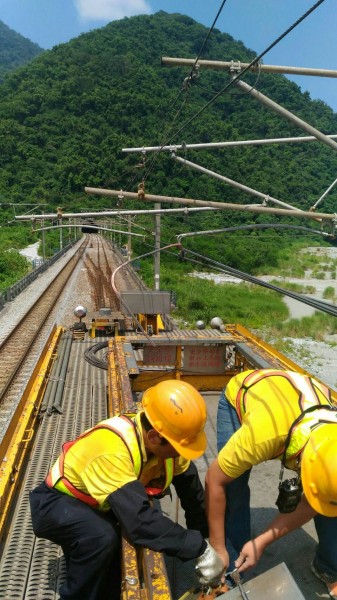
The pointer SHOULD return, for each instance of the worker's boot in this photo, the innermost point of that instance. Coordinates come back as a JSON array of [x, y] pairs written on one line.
[[331, 585]]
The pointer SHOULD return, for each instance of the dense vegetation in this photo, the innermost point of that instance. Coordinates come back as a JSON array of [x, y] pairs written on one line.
[[13, 266], [66, 116], [15, 50]]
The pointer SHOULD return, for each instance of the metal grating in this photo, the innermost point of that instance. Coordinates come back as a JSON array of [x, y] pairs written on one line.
[[31, 568]]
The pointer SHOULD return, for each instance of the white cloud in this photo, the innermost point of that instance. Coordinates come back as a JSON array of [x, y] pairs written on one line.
[[110, 10]]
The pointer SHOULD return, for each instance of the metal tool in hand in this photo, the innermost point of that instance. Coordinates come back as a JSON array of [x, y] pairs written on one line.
[[235, 575]]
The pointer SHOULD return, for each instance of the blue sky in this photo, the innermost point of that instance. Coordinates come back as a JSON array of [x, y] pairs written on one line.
[[257, 23]]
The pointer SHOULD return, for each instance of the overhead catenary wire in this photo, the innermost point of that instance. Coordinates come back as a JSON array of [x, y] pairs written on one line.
[[154, 159], [152, 163], [220, 267], [188, 79], [233, 81], [182, 236], [203, 260], [318, 304], [202, 87], [207, 37], [247, 68], [118, 294]]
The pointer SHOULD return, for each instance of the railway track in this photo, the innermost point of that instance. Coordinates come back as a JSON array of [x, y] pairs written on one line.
[[101, 262], [19, 341], [22, 345]]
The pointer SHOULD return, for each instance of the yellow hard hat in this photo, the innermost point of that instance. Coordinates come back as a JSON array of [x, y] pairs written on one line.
[[178, 412], [319, 470]]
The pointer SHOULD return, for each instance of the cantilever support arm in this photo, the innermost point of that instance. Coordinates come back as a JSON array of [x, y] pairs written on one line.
[[285, 113]]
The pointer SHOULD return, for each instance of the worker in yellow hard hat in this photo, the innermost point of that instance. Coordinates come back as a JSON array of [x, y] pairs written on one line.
[[273, 414], [102, 482]]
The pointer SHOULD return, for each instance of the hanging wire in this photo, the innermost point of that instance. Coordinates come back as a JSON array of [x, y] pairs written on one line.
[[156, 154], [229, 85], [190, 78], [250, 227], [317, 304], [249, 66]]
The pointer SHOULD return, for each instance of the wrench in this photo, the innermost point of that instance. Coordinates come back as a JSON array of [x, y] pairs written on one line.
[[237, 580]]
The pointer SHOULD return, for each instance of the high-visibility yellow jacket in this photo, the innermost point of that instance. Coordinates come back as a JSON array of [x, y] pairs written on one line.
[[107, 467], [268, 402], [107, 456]]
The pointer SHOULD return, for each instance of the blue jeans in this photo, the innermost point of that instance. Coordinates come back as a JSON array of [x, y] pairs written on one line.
[[237, 521], [326, 553], [237, 518]]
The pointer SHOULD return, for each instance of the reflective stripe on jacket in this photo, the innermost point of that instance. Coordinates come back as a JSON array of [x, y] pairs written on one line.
[[301, 430], [124, 427]]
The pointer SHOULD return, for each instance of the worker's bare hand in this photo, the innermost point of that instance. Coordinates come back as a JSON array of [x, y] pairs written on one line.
[[249, 556], [224, 557]]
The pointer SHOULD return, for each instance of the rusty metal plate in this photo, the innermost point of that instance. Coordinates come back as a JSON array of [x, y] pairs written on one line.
[[204, 359]]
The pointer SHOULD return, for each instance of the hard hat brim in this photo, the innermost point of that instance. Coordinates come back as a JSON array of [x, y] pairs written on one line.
[[323, 508], [193, 450], [318, 470]]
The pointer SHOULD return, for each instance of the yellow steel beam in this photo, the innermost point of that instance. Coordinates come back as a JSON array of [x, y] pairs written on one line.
[[143, 573], [16, 442]]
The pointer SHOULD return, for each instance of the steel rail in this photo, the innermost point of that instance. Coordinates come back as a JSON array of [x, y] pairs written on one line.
[[17, 344]]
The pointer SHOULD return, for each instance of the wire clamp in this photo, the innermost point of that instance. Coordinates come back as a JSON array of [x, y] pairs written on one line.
[[191, 77], [142, 162], [141, 189], [333, 225], [235, 66], [120, 199]]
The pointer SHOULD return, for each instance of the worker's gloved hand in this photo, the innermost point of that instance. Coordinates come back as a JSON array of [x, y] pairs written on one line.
[[209, 567]]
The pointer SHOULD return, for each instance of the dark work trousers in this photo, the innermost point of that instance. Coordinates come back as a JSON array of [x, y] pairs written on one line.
[[90, 540]]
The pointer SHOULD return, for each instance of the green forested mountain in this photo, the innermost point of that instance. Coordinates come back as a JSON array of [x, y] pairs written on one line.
[[65, 117], [15, 50]]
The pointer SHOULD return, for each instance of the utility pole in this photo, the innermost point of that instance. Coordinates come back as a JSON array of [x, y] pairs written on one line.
[[43, 242], [61, 237], [157, 247], [129, 237]]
